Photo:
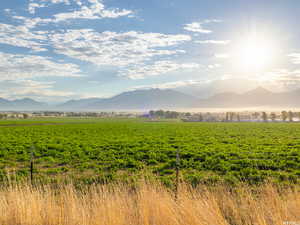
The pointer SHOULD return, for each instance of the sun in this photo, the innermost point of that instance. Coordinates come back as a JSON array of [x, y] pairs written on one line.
[[254, 53]]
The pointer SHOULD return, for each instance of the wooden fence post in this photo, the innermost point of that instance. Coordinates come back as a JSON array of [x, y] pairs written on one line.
[[177, 172], [31, 164]]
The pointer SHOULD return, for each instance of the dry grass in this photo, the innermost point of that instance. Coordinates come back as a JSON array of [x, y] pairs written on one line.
[[148, 204]]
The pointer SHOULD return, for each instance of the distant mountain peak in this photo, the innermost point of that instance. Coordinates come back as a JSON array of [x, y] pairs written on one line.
[[259, 90], [21, 104], [25, 100]]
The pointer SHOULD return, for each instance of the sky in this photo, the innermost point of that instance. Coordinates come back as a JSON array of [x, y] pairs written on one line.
[[56, 50]]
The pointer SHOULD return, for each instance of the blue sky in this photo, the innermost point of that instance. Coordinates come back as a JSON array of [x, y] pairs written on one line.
[[55, 50]]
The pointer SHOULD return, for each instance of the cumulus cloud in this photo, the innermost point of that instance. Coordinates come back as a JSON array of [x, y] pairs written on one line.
[[30, 23], [155, 69], [21, 36], [95, 10], [33, 6], [214, 42], [17, 66], [115, 49], [198, 27], [88, 9]]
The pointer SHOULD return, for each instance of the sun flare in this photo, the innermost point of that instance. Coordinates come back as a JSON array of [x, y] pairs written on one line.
[[254, 53]]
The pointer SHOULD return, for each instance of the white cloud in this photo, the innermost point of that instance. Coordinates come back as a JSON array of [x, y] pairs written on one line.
[[88, 9], [78, 2], [115, 49], [169, 85], [295, 58], [155, 69], [280, 79], [30, 23], [215, 42], [33, 6], [198, 27], [214, 66], [95, 10], [222, 55], [281, 75], [67, 2], [20, 36], [11, 89], [16, 67]]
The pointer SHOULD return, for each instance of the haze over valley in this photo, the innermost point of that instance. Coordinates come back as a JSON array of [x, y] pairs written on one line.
[[167, 99]]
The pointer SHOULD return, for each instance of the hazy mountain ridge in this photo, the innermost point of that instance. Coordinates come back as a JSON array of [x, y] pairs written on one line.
[[22, 104], [78, 103], [208, 89], [258, 97], [138, 100], [163, 99]]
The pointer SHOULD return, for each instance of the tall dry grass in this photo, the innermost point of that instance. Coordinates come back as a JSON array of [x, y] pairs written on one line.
[[147, 204]]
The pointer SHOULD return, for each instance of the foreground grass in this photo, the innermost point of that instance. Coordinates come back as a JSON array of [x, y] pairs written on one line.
[[147, 204]]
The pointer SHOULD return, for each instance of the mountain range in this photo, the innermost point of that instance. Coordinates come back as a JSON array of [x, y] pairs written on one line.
[[258, 97], [141, 100], [27, 104], [135, 100]]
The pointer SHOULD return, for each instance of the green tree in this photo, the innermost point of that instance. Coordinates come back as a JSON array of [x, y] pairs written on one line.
[[297, 114], [227, 117], [284, 115], [264, 116], [231, 115], [290, 116], [238, 117], [188, 114], [200, 117], [273, 116], [171, 114], [160, 113], [255, 115]]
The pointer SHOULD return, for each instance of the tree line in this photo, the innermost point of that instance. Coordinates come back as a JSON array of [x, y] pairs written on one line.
[[284, 116]]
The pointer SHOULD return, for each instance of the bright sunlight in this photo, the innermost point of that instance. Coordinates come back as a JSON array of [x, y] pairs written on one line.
[[254, 53]]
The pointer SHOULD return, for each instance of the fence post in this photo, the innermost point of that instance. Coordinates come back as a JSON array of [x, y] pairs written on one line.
[[177, 172], [31, 164]]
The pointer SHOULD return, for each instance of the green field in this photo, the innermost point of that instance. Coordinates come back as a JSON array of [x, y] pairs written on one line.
[[94, 150]]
